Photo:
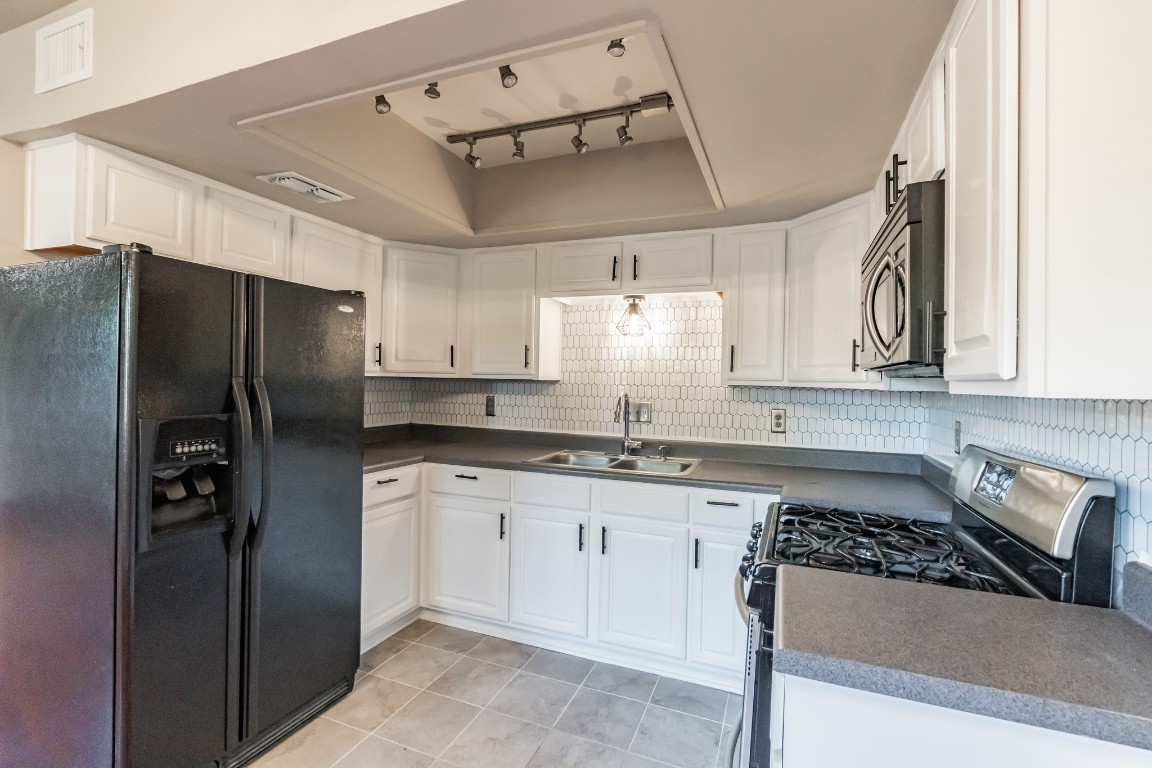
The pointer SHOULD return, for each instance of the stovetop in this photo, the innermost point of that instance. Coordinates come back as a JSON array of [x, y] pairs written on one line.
[[876, 545]]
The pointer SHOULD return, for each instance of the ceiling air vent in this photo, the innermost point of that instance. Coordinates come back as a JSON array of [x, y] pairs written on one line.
[[302, 185], [64, 52]]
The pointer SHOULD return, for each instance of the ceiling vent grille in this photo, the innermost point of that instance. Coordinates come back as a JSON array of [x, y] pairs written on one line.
[[302, 185], [64, 52]]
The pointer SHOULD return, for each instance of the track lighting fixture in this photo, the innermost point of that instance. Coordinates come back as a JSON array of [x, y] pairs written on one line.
[[508, 77], [382, 105], [578, 142], [622, 132], [517, 147], [432, 91], [471, 159], [616, 48]]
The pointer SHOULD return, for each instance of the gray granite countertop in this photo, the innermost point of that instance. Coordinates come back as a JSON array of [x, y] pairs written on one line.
[[1063, 667], [905, 495]]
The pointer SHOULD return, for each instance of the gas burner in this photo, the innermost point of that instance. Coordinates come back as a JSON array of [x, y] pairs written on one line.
[[879, 545]]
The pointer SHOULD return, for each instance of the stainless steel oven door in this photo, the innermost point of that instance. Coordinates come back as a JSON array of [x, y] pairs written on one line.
[[884, 304]]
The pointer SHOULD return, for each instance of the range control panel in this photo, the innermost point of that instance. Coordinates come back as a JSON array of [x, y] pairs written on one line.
[[206, 446]]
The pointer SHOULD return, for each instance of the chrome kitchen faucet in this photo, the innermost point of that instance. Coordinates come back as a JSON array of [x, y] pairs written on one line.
[[628, 445]]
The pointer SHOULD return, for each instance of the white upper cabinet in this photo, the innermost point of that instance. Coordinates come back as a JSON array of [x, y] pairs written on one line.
[[585, 267], [676, 262], [83, 195], [245, 234], [823, 277], [754, 307], [512, 334], [421, 290], [923, 133], [981, 62], [342, 260]]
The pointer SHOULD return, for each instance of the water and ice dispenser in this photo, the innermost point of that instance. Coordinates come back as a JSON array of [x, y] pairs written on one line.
[[186, 478]]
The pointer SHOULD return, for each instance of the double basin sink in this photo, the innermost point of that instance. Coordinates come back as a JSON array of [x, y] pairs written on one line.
[[615, 462]]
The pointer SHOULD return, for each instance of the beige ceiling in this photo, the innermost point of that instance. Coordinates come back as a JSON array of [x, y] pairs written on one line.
[[795, 105], [15, 13]]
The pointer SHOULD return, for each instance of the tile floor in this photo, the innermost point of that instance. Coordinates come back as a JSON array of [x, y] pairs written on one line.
[[433, 695]]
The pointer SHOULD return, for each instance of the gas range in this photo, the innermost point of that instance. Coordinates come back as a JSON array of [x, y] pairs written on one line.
[[1018, 528]]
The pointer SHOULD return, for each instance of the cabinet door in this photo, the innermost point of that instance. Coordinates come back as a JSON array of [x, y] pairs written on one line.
[[246, 235], [754, 308], [982, 188], [130, 202], [683, 261], [924, 129], [643, 585], [339, 260], [716, 635], [467, 556], [421, 290], [550, 569], [503, 312], [823, 276], [583, 267], [389, 576]]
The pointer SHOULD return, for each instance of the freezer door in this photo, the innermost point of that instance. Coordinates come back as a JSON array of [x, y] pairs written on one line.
[[307, 394]]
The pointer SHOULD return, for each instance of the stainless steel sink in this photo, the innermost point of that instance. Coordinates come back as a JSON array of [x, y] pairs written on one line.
[[614, 462]]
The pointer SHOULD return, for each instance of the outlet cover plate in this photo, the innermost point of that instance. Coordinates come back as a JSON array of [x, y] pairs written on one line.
[[640, 411], [779, 421], [490, 405], [956, 439]]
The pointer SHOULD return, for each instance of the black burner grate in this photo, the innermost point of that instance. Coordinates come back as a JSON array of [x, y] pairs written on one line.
[[879, 545]]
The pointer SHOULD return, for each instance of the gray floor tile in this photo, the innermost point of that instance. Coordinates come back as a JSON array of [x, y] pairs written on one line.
[[681, 740], [690, 698], [734, 710], [320, 743], [452, 639], [563, 750], [417, 665], [559, 666], [374, 752], [428, 723], [493, 740], [725, 732], [415, 630], [472, 680], [602, 717], [638, 761], [539, 700], [372, 702], [379, 654], [621, 681], [503, 652]]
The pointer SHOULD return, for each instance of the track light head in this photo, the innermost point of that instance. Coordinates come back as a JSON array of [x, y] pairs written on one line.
[[382, 105], [622, 135], [616, 48], [432, 91], [507, 76], [578, 142], [470, 158], [517, 147]]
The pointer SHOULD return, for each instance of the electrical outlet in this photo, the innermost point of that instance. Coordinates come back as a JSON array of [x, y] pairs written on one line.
[[640, 411], [956, 439], [490, 405], [779, 421]]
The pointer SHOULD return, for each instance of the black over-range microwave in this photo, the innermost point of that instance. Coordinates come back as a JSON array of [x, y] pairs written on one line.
[[902, 287]]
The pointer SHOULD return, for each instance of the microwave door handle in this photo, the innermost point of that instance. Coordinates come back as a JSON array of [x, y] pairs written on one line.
[[870, 310], [899, 303]]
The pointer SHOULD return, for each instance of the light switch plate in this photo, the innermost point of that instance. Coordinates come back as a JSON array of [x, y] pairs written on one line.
[[779, 421]]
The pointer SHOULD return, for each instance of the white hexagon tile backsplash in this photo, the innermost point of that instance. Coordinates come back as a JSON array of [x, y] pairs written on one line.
[[678, 367]]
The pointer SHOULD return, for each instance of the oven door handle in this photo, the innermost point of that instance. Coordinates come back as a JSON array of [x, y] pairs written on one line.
[[742, 600]]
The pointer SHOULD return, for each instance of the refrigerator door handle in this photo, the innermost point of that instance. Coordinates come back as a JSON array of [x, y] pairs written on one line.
[[265, 406], [241, 506]]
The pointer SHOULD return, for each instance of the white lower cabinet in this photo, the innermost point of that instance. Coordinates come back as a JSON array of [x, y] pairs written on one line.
[[467, 556], [389, 585], [550, 569], [643, 585], [716, 635], [862, 717]]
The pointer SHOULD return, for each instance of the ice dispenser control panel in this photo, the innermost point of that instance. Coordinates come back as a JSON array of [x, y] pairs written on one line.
[[190, 441], [204, 446]]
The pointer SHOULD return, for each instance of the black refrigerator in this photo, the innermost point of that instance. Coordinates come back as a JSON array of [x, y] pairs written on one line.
[[180, 513]]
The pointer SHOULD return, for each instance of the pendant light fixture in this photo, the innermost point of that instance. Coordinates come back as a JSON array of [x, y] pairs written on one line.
[[633, 322]]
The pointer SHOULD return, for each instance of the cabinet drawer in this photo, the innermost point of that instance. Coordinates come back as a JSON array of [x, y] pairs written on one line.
[[723, 510], [391, 484], [555, 492], [469, 481], [643, 500]]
